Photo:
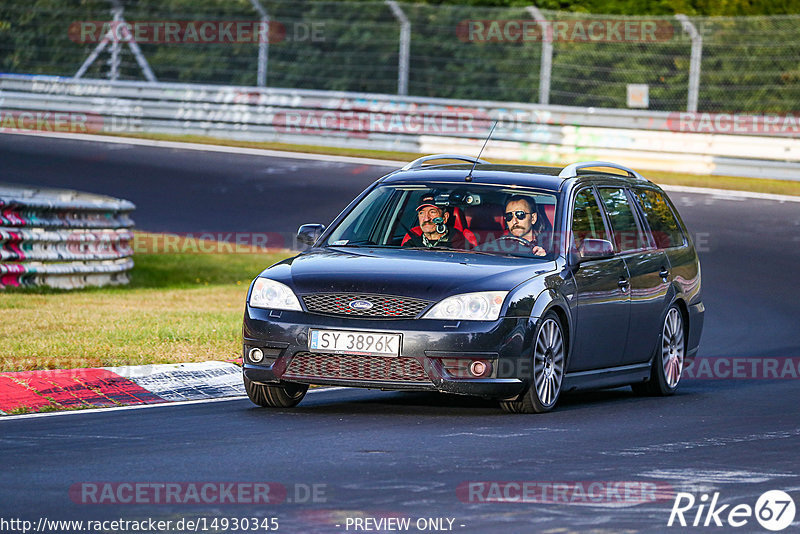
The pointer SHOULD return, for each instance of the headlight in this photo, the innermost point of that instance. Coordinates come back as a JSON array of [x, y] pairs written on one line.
[[484, 306], [274, 295]]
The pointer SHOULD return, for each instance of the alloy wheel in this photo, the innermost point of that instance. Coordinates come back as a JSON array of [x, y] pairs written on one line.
[[672, 348], [548, 362]]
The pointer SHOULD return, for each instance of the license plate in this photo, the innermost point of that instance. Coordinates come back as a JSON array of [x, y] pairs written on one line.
[[349, 342]]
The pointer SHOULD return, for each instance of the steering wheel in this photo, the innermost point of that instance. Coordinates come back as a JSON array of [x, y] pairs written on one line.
[[521, 240]]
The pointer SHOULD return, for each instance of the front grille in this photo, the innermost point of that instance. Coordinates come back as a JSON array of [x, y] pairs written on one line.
[[383, 306], [307, 365]]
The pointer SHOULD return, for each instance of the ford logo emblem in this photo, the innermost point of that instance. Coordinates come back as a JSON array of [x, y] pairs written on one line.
[[361, 305]]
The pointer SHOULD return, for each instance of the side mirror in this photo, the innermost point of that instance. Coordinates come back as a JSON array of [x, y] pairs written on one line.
[[308, 234], [596, 249]]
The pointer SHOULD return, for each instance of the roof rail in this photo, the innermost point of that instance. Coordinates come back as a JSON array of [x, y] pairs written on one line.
[[571, 171], [417, 163]]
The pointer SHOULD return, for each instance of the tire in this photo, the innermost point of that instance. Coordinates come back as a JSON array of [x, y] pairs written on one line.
[[665, 375], [549, 359], [278, 396]]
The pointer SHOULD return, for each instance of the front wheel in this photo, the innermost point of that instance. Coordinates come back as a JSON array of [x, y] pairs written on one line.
[[668, 362], [549, 358], [275, 396]]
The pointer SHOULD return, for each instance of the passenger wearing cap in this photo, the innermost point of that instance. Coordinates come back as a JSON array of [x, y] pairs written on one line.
[[433, 231]]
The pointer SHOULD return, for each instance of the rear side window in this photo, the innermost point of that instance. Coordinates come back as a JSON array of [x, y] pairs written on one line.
[[627, 235], [587, 219], [664, 226]]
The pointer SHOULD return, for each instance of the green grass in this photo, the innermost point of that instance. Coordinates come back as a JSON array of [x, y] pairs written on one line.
[[780, 187], [52, 407], [178, 308], [21, 410], [734, 183], [186, 271]]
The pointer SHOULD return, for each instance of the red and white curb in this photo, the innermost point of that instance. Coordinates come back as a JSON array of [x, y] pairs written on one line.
[[61, 389]]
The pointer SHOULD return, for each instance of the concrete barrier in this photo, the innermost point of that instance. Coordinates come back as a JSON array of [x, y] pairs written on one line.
[[722, 144]]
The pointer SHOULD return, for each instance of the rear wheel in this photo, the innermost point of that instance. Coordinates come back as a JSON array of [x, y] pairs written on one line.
[[285, 395], [549, 357], [668, 362]]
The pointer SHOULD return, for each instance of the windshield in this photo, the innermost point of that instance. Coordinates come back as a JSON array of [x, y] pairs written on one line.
[[466, 217]]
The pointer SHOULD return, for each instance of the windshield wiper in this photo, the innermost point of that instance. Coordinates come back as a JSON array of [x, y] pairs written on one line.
[[474, 251], [435, 249], [363, 244]]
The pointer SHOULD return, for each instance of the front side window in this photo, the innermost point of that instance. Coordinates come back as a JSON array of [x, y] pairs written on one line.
[[660, 218], [627, 234], [465, 217], [587, 219], [359, 227]]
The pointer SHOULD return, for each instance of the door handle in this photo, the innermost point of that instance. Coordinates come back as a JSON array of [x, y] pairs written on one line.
[[623, 283], [664, 273]]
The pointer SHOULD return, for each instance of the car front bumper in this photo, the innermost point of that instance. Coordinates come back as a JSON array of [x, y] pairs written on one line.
[[434, 354]]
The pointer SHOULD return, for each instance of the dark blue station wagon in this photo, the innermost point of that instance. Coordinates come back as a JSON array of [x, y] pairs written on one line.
[[509, 282]]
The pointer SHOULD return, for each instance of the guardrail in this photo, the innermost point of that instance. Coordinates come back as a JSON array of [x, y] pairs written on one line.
[[756, 146], [63, 239]]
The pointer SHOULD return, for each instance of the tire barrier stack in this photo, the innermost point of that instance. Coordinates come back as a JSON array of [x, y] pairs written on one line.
[[63, 239]]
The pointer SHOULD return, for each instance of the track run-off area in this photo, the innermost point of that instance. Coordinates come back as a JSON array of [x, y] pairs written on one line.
[[605, 461]]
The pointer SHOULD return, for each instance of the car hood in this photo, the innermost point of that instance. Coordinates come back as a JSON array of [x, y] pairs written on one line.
[[430, 275]]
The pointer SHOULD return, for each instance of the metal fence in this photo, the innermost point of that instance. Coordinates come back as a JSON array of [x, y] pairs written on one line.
[[451, 51], [63, 239], [701, 143]]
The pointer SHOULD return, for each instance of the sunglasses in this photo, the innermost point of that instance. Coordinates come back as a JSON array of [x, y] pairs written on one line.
[[519, 215]]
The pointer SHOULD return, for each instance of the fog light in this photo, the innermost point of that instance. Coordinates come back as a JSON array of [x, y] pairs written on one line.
[[479, 368], [255, 355]]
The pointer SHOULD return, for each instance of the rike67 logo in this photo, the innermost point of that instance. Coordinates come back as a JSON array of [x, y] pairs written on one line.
[[774, 510]]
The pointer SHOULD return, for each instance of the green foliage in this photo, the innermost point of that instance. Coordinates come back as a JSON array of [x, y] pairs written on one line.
[[748, 64], [712, 8]]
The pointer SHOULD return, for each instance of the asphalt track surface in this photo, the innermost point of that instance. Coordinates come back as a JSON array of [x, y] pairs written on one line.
[[383, 454]]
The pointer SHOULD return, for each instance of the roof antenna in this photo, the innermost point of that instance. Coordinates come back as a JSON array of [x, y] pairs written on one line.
[[468, 178]]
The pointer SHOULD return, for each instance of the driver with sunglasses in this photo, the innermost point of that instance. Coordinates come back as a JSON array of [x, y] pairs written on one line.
[[523, 224]]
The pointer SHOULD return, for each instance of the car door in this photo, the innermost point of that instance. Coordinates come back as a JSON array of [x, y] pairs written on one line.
[[602, 312], [648, 274], [669, 234]]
